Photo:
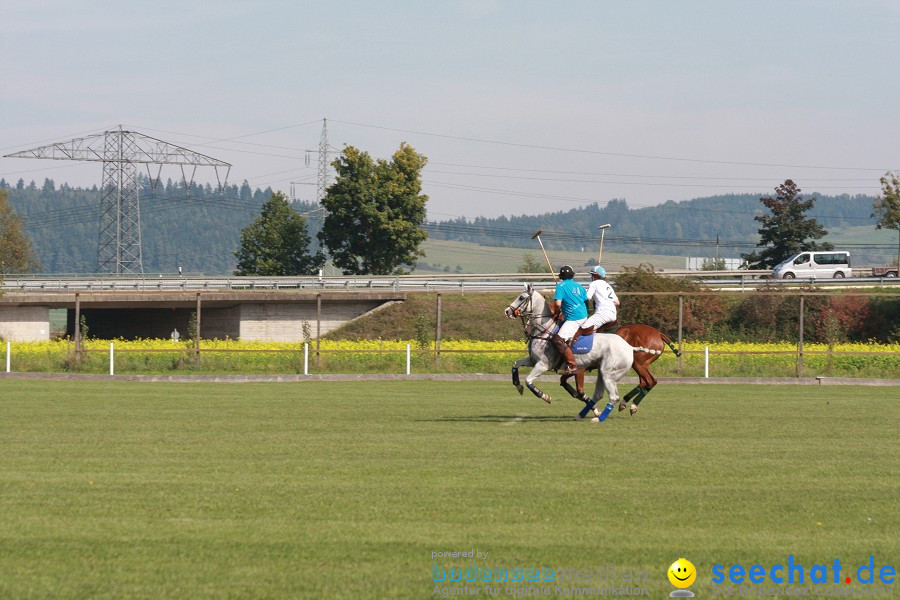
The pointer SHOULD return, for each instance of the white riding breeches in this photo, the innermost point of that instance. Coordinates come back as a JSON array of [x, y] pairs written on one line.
[[568, 329], [599, 318]]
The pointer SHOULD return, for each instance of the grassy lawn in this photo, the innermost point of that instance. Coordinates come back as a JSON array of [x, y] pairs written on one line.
[[473, 258], [344, 490], [446, 255]]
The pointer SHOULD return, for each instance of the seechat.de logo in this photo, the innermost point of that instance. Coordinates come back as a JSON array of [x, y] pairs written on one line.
[[794, 572]]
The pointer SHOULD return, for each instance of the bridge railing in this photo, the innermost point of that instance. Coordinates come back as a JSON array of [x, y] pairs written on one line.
[[406, 283]]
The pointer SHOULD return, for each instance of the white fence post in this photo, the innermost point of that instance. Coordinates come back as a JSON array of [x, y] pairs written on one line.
[[7, 356], [706, 362], [407, 359], [112, 369], [306, 358]]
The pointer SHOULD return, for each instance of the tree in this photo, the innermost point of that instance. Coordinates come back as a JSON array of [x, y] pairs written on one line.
[[713, 264], [277, 243], [16, 255], [375, 212], [786, 228], [887, 207], [530, 264]]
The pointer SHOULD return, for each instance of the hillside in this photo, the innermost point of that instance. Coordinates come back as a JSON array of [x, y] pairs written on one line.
[[199, 230], [442, 256], [687, 228]]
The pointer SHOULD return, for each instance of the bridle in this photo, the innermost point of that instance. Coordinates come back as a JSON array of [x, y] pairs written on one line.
[[524, 309], [519, 310]]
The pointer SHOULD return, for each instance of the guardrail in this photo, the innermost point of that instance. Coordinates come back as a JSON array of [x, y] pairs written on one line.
[[405, 283]]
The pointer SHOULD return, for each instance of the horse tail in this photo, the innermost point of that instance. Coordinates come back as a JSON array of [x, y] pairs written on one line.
[[668, 342], [647, 350]]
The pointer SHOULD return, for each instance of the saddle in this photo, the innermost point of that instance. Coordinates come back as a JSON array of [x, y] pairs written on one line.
[[582, 345], [585, 336], [610, 327]]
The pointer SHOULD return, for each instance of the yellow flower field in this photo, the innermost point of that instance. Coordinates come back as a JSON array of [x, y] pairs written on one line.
[[730, 359]]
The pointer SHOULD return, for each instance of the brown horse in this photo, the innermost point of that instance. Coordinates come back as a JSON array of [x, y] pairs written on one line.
[[639, 335]]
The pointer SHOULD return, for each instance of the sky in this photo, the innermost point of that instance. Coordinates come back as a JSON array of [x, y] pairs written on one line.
[[521, 107]]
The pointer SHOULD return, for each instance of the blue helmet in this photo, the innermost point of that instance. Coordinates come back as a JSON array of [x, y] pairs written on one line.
[[599, 271]]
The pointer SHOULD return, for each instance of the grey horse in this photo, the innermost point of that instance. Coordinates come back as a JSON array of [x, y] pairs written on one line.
[[610, 353]]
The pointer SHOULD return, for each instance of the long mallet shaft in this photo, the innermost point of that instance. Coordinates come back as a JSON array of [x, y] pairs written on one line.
[[538, 236], [602, 229]]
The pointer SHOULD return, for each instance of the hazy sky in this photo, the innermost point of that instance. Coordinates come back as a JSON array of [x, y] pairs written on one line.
[[520, 107]]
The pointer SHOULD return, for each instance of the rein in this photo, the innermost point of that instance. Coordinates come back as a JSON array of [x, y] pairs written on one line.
[[528, 317]]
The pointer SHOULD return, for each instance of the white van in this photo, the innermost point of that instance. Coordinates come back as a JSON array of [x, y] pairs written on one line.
[[814, 265]]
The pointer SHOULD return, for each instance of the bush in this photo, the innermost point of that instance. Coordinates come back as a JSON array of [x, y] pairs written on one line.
[[700, 313]]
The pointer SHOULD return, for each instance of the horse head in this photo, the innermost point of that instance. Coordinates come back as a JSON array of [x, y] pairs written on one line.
[[531, 306], [522, 305]]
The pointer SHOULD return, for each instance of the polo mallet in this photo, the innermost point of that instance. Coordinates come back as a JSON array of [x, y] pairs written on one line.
[[538, 236], [602, 229]]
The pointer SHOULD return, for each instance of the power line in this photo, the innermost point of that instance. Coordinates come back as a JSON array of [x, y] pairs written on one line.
[[645, 183], [604, 153], [246, 135], [559, 172], [660, 184]]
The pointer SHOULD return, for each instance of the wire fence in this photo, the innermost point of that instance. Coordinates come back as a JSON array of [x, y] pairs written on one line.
[[794, 358], [776, 360]]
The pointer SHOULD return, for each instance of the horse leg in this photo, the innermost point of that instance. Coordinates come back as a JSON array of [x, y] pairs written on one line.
[[588, 402], [643, 386], [522, 362], [564, 382], [529, 381], [651, 383], [598, 398], [610, 381], [579, 393], [643, 392], [578, 390], [633, 393]]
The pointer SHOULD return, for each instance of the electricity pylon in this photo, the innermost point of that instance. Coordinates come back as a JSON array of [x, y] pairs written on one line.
[[323, 163], [120, 151]]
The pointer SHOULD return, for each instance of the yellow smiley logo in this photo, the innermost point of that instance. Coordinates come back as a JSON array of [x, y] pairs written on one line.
[[682, 573]]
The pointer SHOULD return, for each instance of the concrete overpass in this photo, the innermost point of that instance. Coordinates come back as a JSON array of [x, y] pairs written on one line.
[[246, 314], [268, 308]]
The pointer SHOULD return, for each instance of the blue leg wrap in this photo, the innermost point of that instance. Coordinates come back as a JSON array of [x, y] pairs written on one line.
[[587, 408], [606, 411]]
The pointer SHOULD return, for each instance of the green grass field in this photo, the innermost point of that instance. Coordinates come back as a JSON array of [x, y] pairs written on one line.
[[344, 490], [473, 258]]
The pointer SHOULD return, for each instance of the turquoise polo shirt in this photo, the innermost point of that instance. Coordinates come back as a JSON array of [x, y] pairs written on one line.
[[573, 298]]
